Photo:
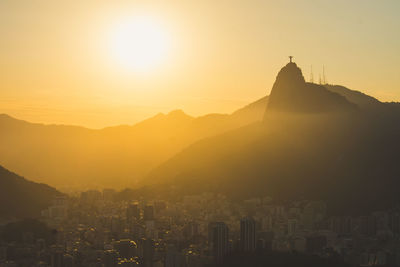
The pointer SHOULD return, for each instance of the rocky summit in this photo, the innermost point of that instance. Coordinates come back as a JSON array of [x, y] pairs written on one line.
[[291, 93]]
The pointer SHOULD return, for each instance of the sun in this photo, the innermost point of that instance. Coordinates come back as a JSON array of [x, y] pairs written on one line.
[[139, 43]]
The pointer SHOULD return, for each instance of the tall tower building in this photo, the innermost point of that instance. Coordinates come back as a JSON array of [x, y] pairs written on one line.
[[248, 234], [292, 226], [220, 241], [132, 212], [211, 226], [148, 213]]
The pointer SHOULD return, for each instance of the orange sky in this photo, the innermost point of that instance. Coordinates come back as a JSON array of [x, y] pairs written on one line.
[[56, 65]]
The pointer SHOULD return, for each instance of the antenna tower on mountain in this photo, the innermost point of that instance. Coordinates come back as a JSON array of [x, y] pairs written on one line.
[[323, 75], [311, 76]]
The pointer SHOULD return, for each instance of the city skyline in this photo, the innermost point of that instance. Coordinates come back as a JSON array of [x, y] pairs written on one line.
[[207, 133]]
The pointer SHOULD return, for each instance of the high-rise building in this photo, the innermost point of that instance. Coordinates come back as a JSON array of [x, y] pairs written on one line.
[[220, 241], [56, 256], [248, 234], [267, 223], [191, 230], [211, 226], [148, 213], [148, 252], [341, 225], [292, 226], [315, 243], [173, 257], [394, 223], [108, 194], [132, 212], [126, 248], [109, 258], [160, 205]]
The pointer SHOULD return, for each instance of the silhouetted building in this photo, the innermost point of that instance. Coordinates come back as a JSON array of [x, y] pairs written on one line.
[[57, 257], [341, 225], [173, 258], [148, 252], [110, 258], [268, 238], [394, 223], [108, 194], [292, 226], [315, 243], [220, 241], [211, 226], [260, 244], [91, 196], [126, 248], [148, 213], [191, 230], [248, 234], [132, 212], [160, 206], [367, 225]]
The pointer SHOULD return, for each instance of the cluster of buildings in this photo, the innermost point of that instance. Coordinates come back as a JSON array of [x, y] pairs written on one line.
[[93, 229]]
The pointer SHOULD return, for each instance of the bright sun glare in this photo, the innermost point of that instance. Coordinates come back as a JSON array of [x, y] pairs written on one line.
[[139, 43]]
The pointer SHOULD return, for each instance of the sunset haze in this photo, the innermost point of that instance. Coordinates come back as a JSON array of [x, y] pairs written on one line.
[[57, 65]]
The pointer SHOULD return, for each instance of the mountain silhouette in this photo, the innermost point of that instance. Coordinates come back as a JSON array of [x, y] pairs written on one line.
[[291, 93], [78, 157], [20, 198], [120, 156], [348, 159]]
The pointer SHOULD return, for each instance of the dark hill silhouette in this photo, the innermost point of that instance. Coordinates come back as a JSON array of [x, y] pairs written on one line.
[[15, 231], [360, 99], [253, 110], [290, 93], [119, 156], [348, 159], [20, 198]]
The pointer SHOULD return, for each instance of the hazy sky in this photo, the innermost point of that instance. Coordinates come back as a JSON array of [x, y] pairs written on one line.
[[56, 65]]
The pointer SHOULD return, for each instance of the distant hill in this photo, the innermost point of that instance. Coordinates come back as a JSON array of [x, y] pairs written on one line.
[[77, 157], [360, 99], [252, 112], [71, 156], [348, 159], [20, 198]]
